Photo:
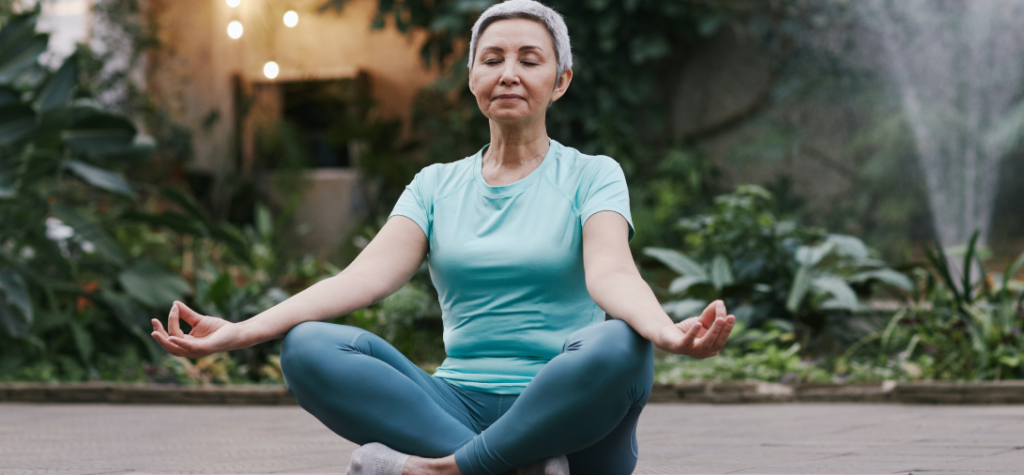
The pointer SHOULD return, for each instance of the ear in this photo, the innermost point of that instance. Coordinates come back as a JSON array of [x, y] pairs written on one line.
[[562, 85], [470, 81]]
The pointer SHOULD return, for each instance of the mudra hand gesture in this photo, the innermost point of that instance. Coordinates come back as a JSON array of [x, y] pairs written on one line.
[[700, 337], [208, 335]]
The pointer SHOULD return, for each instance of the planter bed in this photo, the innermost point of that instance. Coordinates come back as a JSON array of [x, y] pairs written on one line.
[[999, 392]]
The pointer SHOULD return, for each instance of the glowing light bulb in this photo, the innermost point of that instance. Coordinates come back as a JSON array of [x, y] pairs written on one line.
[[234, 3], [291, 18], [271, 69], [235, 29]]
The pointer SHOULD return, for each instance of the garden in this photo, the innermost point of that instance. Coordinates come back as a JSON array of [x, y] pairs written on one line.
[[907, 266]]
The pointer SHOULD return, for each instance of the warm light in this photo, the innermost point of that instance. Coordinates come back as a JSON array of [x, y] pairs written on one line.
[[235, 29], [270, 70], [234, 3], [291, 18]]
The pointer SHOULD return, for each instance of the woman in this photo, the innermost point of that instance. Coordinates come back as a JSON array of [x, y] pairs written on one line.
[[528, 248]]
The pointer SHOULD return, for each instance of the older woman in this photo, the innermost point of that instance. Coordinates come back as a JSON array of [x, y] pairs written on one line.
[[528, 248]]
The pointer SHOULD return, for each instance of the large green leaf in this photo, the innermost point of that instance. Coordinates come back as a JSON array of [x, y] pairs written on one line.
[[721, 272], [16, 122], [25, 55], [681, 309], [887, 276], [134, 318], [91, 231], [58, 88], [15, 306], [153, 285], [677, 261], [680, 285], [797, 291], [843, 297], [100, 178], [849, 246]]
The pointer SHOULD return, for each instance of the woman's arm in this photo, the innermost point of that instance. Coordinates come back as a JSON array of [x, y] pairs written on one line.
[[615, 284], [387, 263]]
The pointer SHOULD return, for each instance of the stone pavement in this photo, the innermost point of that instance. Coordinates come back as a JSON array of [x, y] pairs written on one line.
[[674, 439]]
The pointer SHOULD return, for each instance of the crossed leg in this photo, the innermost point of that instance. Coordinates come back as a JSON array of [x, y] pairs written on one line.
[[584, 403]]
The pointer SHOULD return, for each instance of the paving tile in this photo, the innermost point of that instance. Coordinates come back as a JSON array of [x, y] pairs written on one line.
[[674, 439]]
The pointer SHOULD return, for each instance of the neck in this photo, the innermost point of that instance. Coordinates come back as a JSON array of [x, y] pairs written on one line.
[[514, 146]]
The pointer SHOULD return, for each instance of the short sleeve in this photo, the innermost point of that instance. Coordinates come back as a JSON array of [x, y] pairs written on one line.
[[603, 188], [416, 202]]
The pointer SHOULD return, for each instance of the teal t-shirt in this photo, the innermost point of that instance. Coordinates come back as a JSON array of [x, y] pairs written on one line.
[[507, 261]]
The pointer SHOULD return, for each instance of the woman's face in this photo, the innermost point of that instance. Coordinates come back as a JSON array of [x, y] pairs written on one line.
[[514, 71]]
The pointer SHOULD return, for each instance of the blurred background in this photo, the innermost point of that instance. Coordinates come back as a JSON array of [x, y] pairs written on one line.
[[847, 175]]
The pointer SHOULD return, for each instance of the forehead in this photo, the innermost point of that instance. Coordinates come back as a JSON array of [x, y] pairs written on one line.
[[515, 32]]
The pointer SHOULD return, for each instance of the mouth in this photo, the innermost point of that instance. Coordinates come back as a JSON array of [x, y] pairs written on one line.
[[508, 97]]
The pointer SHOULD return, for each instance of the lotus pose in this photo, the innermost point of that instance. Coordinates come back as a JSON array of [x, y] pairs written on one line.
[[528, 245]]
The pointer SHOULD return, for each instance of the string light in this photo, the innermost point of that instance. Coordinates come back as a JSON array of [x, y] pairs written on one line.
[[291, 18], [234, 3], [271, 69], [235, 30]]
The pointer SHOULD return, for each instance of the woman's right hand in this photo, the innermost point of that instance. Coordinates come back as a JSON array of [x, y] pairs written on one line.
[[208, 335]]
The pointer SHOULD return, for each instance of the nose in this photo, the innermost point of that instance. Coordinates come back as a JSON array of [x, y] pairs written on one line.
[[510, 73]]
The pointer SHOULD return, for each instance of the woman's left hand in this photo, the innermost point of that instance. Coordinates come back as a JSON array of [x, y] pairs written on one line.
[[699, 337]]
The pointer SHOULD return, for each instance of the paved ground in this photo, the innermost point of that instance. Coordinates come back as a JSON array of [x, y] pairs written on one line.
[[674, 439]]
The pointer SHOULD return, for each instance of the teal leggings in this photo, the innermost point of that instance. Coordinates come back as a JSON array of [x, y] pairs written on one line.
[[584, 403]]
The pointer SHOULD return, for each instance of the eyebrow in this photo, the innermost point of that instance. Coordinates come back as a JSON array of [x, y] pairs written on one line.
[[521, 48]]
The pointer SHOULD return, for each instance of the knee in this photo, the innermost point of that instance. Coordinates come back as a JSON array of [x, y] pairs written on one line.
[[613, 349], [300, 344]]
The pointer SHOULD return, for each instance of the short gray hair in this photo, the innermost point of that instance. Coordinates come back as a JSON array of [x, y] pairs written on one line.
[[529, 10]]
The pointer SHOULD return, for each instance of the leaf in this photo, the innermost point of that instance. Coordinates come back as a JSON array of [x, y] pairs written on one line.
[[801, 283], [680, 285], [16, 122], [810, 256], [681, 309], [91, 231], [153, 285], [888, 276], [83, 340], [100, 178], [57, 89], [721, 273], [15, 306], [22, 53], [676, 261], [843, 297], [849, 246], [1012, 269]]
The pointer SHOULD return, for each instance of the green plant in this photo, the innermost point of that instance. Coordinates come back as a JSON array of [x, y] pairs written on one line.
[[957, 327], [765, 267], [63, 275]]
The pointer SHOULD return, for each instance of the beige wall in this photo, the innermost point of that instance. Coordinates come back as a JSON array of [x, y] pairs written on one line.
[[190, 75]]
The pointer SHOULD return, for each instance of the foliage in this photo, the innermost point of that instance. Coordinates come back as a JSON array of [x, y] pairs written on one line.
[[766, 267], [62, 272], [957, 327]]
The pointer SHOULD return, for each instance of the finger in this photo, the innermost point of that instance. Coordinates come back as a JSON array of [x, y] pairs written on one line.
[[194, 348], [709, 313], [726, 330], [719, 309], [172, 321], [688, 338], [190, 316], [158, 327], [708, 340], [167, 344]]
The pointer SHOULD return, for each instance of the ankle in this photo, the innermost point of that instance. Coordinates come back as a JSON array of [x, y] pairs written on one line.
[[424, 466]]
